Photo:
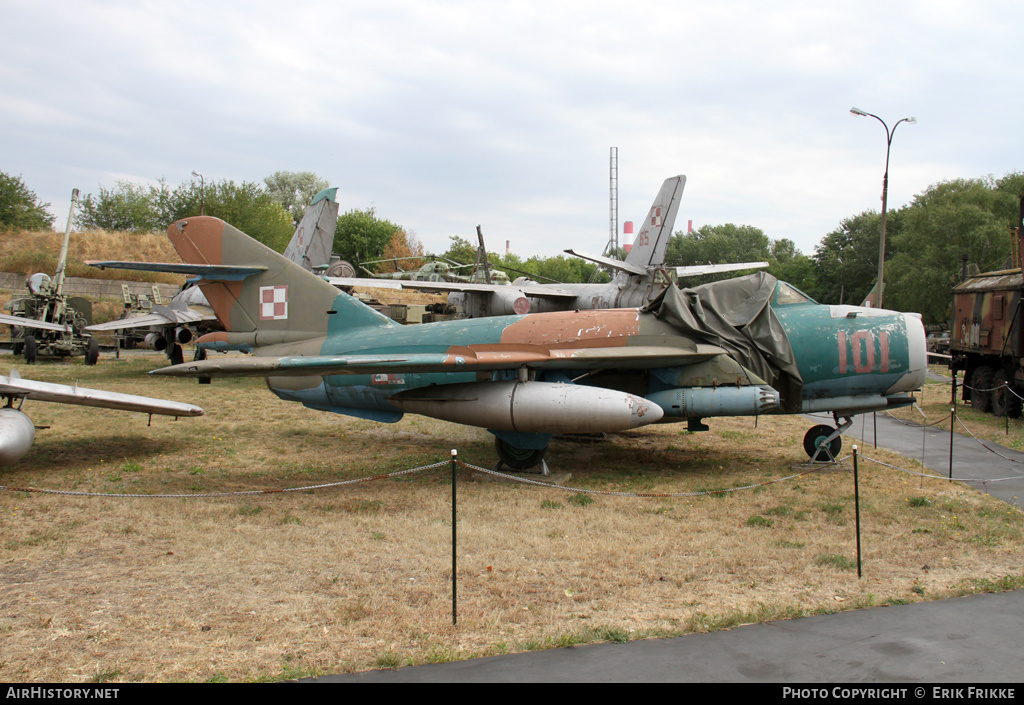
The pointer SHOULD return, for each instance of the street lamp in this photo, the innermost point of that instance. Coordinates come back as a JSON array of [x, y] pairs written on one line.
[[885, 189], [202, 194]]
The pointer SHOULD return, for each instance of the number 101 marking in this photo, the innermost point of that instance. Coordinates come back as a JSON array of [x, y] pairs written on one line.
[[863, 349]]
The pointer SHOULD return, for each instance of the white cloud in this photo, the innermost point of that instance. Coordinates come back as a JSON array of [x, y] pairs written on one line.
[[450, 114]]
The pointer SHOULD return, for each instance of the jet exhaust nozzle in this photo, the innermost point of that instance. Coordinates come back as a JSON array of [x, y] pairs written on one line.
[[16, 435], [155, 341], [531, 407], [183, 335]]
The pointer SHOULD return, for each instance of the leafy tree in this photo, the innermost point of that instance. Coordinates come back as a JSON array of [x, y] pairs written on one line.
[[790, 265], [568, 270], [949, 220], [294, 190], [460, 250], [252, 210], [138, 208], [405, 252], [361, 236], [20, 208], [718, 244], [847, 258], [128, 206]]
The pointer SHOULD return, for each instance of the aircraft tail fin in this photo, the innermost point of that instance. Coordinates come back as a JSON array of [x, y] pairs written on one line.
[[313, 240], [261, 297], [651, 242]]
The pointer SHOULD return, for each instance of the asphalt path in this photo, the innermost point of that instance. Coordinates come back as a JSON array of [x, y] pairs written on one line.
[[966, 642]]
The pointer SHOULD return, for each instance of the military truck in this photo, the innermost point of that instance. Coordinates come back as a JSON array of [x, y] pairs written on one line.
[[986, 334]]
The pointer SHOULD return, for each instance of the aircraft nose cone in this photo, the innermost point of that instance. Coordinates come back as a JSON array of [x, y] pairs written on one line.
[[917, 355]]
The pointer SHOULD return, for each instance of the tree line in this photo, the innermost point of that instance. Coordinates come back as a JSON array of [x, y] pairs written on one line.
[[927, 239]]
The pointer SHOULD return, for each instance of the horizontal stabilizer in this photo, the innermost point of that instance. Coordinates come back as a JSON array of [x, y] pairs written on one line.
[[696, 270], [537, 290], [210, 272]]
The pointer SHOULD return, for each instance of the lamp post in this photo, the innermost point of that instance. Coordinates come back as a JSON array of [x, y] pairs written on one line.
[[885, 190], [202, 194]]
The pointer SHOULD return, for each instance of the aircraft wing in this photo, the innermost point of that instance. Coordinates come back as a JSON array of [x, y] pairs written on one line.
[[456, 359], [549, 290], [698, 269], [15, 386], [32, 323]]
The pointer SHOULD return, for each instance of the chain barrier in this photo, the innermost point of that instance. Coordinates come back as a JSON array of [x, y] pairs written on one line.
[[990, 450], [239, 493], [1004, 385], [580, 490], [901, 422]]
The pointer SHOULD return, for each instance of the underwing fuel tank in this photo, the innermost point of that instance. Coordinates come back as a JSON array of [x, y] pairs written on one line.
[[16, 435], [531, 407]]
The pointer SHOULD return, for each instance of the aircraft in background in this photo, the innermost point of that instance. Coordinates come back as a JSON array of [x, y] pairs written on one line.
[[746, 346], [188, 314], [17, 432], [637, 280]]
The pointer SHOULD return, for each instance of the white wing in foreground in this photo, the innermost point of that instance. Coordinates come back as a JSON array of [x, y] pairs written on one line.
[[16, 387]]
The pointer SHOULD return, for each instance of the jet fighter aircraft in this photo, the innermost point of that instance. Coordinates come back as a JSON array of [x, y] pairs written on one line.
[[638, 280], [746, 346]]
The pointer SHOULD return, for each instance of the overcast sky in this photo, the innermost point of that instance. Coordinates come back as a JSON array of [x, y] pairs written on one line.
[[448, 115]]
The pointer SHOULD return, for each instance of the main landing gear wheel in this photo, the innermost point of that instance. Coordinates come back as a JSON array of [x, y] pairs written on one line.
[[518, 458], [92, 353], [30, 349], [814, 444]]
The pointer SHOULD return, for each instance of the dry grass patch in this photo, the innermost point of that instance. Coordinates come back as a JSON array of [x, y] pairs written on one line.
[[272, 586], [28, 252]]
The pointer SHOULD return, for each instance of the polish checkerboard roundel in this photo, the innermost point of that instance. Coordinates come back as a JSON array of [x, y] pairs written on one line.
[[274, 303]]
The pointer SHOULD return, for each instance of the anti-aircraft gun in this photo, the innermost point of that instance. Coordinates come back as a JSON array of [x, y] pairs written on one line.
[[47, 322]]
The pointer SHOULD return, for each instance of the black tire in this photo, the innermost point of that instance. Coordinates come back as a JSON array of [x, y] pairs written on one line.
[[1005, 401], [30, 350], [982, 382], [518, 458], [814, 439], [92, 352]]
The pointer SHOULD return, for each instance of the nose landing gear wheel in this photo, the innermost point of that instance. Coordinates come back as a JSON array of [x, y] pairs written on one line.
[[817, 449]]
